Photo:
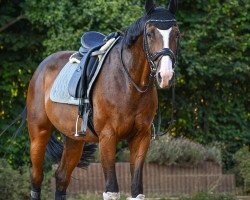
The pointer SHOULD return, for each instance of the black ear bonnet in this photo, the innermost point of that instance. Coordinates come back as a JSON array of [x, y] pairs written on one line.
[[161, 18]]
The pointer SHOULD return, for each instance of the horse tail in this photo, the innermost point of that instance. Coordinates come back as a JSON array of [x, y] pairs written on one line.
[[55, 146], [22, 116], [54, 151]]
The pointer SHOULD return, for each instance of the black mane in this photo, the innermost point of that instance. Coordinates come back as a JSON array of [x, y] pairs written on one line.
[[134, 31]]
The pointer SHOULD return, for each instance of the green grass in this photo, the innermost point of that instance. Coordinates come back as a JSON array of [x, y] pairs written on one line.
[[93, 197], [210, 196], [198, 196]]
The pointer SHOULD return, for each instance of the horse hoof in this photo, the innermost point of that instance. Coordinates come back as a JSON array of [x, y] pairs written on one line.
[[139, 197], [111, 196]]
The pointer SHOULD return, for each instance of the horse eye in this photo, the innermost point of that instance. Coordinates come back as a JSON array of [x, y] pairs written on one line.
[[177, 34], [149, 35]]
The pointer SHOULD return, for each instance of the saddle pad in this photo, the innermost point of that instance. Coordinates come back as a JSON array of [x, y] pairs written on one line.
[[59, 92]]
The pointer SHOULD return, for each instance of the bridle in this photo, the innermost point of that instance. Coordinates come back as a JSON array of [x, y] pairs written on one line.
[[163, 52], [151, 58]]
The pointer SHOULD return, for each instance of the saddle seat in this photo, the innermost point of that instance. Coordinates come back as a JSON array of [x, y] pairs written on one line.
[[89, 40]]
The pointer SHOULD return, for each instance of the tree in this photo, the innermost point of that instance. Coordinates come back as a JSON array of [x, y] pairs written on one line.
[[212, 85], [20, 43], [212, 73]]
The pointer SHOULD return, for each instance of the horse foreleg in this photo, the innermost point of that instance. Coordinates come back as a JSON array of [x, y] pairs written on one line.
[[107, 145], [138, 147], [71, 155]]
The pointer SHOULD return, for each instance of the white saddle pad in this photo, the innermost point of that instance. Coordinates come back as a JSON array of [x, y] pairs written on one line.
[[59, 92]]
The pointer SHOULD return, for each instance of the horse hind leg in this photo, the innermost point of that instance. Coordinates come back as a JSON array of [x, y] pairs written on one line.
[[70, 158], [39, 138]]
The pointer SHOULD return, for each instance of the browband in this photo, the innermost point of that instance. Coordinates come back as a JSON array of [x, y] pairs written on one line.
[[161, 23]]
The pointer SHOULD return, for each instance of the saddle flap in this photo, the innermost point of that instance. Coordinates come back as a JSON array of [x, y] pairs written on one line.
[[85, 74], [74, 83], [92, 39], [81, 75]]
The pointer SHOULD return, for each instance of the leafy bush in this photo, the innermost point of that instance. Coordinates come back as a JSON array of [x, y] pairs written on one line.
[[15, 184], [209, 196], [212, 90], [169, 151], [123, 155], [242, 158]]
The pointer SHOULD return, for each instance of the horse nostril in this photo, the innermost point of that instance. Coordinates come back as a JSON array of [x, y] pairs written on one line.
[[159, 77]]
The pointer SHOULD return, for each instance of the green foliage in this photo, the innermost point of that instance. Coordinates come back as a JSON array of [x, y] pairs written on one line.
[[212, 93], [242, 158], [209, 196], [19, 47], [123, 155], [66, 21], [15, 183], [170, 151], [212, 90]]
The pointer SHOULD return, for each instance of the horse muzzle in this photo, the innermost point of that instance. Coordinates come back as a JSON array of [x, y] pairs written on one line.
[[165, 72]]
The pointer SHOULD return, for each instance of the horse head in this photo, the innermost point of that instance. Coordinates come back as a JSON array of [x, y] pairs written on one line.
[[161, 36]]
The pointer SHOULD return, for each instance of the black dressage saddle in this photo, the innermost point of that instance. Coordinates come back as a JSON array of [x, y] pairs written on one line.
[[91, 42], [81, 81]]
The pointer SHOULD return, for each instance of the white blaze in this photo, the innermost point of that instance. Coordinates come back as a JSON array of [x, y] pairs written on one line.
[[165, 70]]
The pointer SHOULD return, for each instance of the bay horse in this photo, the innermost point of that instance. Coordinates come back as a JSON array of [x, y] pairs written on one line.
[[124, 103]]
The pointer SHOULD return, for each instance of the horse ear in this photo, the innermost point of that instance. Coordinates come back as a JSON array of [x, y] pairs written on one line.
[[149, 6], [173, 5]]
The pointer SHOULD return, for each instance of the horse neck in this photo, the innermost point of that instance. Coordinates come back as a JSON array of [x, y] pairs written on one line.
[[136, 63]]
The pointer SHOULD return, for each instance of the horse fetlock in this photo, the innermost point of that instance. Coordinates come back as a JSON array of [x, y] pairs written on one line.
[[139, 197], [111, 196], [36, 181], [60, 195]]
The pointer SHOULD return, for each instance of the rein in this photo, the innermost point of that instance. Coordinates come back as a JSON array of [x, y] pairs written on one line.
[[137, 87], [172, 120]]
